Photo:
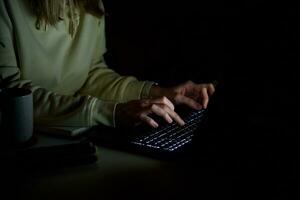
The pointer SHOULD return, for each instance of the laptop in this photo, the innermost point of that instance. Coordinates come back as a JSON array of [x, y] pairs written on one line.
[[168, 141]]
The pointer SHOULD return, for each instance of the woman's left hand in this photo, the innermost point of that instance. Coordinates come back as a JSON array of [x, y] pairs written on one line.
[[189, 93]]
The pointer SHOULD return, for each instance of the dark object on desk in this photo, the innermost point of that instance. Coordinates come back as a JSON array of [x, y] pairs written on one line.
[[171, 137], [171, 141], [53, 156], [166, 141]]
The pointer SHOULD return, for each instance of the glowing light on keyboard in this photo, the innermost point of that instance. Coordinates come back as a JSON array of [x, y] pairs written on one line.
[[171, 136]]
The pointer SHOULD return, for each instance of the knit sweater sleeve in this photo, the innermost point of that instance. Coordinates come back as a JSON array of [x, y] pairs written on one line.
[[50, 108]]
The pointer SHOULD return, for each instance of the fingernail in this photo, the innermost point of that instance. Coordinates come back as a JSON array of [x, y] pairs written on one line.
[[182, 123], [155, 125]]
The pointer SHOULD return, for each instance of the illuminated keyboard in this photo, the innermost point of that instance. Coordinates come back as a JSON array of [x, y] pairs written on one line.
[[172, 136]]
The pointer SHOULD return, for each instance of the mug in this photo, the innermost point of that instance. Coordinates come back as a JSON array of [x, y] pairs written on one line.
[[16, 116]]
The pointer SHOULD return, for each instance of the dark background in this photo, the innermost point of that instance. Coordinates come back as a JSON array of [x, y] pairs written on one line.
[[254, 45]]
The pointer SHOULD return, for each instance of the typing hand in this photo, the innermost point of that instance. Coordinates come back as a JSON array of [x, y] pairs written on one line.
[[138, 111], [189, 93]]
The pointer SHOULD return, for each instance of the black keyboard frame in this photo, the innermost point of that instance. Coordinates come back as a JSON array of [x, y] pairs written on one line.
[[170, 137], [124, 139]]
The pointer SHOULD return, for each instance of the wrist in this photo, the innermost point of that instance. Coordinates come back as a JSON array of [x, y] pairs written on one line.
[[155, 91]]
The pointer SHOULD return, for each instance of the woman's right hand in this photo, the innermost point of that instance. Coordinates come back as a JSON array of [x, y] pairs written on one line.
[[137, 111]]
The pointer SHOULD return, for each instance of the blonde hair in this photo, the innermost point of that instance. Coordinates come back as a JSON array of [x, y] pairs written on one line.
[[48, 12]]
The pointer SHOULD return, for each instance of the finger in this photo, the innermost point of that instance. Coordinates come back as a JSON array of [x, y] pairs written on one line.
[[210, 89], [168, 114], [145, 118], [162, 100], [162, 112], [181, 99], [205, 97], [176, 117]]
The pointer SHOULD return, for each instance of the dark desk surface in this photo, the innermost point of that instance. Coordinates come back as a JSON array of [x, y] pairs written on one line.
[[119, 174]]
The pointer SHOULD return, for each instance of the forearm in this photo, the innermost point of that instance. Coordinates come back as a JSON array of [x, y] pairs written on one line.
[[106, 84], [52, 109], [157, 91]]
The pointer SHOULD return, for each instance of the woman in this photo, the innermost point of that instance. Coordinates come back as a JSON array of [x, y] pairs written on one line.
[[55, 48]]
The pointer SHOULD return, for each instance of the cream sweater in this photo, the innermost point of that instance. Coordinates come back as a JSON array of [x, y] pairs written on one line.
[[71, 84]]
